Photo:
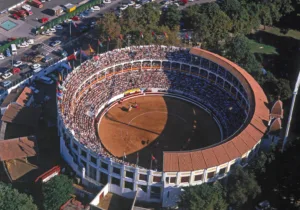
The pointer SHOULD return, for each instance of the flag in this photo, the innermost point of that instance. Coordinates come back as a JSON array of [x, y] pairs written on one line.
[[166, 35], [91, 49], [74, 24], [75, 58], [59, 77], [153, 34], [99, 43], [187, 36], [152, 157], [108, 39], [121, 37], [141, 34]]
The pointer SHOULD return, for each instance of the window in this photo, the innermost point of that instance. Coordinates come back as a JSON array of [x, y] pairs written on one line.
[[185, 179], [103, 178], [222, 171], [143, 187], [173, 179], [210, 175], [128, 185], [116, 170], [143, 177], [156, 178], [104, 165], [155, 192], [93, 173], [94, 160], [115, 181], [198, 177], [129, 174], [83, 153]]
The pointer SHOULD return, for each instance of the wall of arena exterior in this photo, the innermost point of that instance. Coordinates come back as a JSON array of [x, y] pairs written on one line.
[[163, 186]]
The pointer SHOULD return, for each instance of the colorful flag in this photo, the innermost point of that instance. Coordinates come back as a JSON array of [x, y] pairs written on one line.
[[59, 77], [166, 35], [91, 49], [121, 37], [74, 24], [187, 36], [153, 34], [142, 35], [75, 58], [99, 43], [152, 157]]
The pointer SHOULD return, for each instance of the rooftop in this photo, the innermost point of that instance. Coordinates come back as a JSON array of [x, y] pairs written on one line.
[[115, 202]]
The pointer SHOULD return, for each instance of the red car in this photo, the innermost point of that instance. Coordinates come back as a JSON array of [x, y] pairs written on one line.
[[28, 12], [75, 18], [44, 20], [17, 17]]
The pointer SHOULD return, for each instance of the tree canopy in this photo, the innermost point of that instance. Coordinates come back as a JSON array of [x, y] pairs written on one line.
[[241, 186], [56, 192], [204, 197], [171, 17], [11, 199]]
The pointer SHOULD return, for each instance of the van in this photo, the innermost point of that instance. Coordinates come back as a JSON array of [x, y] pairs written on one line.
[[13, 49], [46, 80]]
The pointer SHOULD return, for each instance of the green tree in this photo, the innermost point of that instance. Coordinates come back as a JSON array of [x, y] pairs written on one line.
[[56, 192], [11, 199], [171, 17], [109, 26], [204, 197], [242, 185], [150, 15]]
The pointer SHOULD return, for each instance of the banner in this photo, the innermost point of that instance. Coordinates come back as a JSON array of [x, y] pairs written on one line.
[[135, 90]]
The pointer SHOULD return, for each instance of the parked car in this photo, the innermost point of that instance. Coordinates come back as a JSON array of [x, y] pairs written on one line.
[[23, 44], [23, 66], [17, 63], [52, 30], [37, 58], [137, 6], [5, 83], [36, 66], [15, 16], [29, 12], [16, 70], [30, 41], [7, 51], [2, 56], [55, 43], [44, 20], [75, 18], [47, 59], [7, 75], [123, 7], [96, 8], [26, 7], [58, 27]]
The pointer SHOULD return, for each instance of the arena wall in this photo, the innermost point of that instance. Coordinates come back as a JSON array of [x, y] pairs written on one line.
[[163, 186]]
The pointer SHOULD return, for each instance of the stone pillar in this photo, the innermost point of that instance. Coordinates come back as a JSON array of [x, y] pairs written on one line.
[[83, 172]]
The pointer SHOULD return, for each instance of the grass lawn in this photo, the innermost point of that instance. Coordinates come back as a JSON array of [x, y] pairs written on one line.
[[291, 33], [261, 48]]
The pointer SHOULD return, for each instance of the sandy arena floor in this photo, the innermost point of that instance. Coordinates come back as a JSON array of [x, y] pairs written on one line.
[[158, 124]]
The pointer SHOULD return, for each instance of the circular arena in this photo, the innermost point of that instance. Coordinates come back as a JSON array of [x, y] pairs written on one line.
[[155, 118]]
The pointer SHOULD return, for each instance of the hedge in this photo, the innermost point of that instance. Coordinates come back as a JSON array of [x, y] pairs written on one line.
[[7, 45], [66, 16]]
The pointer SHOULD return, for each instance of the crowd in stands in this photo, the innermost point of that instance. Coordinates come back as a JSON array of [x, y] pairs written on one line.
[[79, 115]]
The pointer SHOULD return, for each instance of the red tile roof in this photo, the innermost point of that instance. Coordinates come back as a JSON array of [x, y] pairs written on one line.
[[17, 148], [24, 96], [249, 136]]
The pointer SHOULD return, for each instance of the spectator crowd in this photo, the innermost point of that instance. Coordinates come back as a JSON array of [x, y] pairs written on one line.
[[79, 108]]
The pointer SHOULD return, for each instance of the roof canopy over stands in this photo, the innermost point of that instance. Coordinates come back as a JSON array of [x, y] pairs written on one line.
[[18, 148]]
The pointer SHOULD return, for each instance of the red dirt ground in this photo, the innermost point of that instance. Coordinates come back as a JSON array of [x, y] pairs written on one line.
[[159, 124]]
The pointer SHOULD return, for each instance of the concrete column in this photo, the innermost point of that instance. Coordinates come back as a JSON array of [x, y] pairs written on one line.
[[178, 179], [204, 179], [122, 177], [228, 167], [135, 178], [191, 178], [83, 172]]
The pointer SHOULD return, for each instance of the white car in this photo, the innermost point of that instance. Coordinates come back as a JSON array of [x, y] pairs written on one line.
[[18, 63], [24, 44], [1, 56], [30, 41], [137, 6], [68, 20], [123, 7], [58, 27], [26, 7], [7, 75], [107, 1], [36, 66], [96, 8], [176, 4], [37, 70], [52, 29], [131, 3]]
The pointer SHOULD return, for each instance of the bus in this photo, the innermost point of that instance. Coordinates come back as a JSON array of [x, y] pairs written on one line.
[[13, 49], [36, 3]]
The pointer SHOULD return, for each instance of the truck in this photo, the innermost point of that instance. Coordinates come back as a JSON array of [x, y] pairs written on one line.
[[36, 3], [70, 7], [56, 11]]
